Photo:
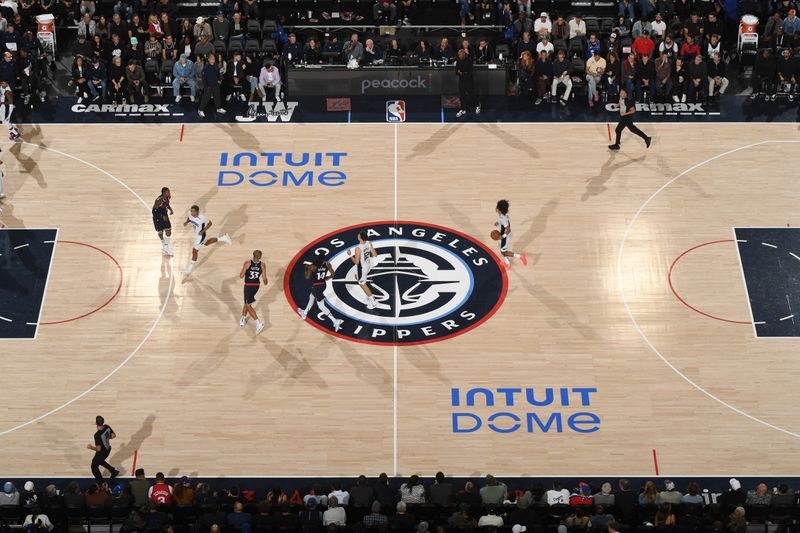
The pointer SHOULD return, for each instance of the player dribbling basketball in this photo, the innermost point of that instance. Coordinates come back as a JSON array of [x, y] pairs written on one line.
[[200, 225], [503, 225], [252, 272], [161, 219], [362, 257], [318, 273]]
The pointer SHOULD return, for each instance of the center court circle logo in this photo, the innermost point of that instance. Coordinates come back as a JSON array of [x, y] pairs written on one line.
[[430, 282]]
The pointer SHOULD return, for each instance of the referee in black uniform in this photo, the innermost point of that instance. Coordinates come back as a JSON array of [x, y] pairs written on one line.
[[102, 449], [627, 108]]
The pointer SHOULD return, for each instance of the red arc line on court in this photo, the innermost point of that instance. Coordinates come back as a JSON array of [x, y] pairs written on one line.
[[684, 302], [116, 292]]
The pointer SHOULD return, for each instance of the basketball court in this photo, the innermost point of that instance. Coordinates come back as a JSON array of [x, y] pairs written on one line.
[[631, 330]]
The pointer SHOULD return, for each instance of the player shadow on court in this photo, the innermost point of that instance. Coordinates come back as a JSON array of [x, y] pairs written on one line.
[[368, 371], [288, 357], [51, 431], [126, 451], [28, 164], [536, 227], [596, 185], [430, 145], [512, 141], [208, 364], [170, 307], [424, 359], [561, 311], [240, 136]]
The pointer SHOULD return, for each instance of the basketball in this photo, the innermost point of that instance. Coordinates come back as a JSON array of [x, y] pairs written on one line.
[[495, 235]]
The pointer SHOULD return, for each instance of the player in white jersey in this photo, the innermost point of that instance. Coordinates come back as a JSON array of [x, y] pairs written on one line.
[[200, 225], [362, 257], [6, 108], [503, 225]]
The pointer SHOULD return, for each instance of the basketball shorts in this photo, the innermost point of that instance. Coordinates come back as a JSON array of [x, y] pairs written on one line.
[[250, 293], [362, 272], [504, 242], [160, 224], [319, 292], [199, 241]]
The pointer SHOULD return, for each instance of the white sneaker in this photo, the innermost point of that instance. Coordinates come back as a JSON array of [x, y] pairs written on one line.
[[259, 326], [221, 110], [188, 270], [460, 113], [302, 313], [242, 322], [337, 324], [224, 239], [278, 98], [371, 303], [478, 110], [177, 99], [191, 98], [243, 98], [201, 113], [228, 98]]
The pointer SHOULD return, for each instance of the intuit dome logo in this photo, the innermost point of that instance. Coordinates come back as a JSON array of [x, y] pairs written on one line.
[[524, 409], [431, 283], [281, 169]]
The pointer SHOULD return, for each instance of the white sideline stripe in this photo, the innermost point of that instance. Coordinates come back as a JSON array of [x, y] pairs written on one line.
[[792, 254], [21, 246], [786, 318], [767, 244], [6, 319], [152, 327]]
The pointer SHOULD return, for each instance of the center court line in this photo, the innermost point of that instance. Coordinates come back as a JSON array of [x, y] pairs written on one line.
[[394, 347], [152, 327], [621, 283]]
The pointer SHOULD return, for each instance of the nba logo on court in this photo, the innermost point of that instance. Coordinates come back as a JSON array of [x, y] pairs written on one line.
[[396, 111]]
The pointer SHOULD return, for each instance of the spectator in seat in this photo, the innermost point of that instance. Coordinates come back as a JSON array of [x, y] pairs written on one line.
[[523, 515], [600, 519], [689, 49], [293, 51], [658, 28], [73, 499], [561, 76], [613, 78], [167, 25], [582, 496], [772, 23], [713, 46], [545, 46], [605, 497], [626, 501], [557, 495], [98, 79], [735, 496], [82, 47], [251, 74], [121, 497], [372, 52], [353, 50], [736, 522], [139, 486], [649, 494], [625, 8], [716, 76], [622, 28], [342, 496], [484, 53], [693, 489], [183, 491], [238, 519], [86, 26], [170, 49], [334, 515], [160, 493], [612, 44], [542, 27], [526, 44], [577, 519], [493, 492], [118, 26], [412, 491], [644, 45], [221, 27], [668, 47], [663, 83], [441, 493], [525, 80], [333, 45], [522, 25], [592, 44], [680, 81], [234, 78], [577, 28], [80, 75], [117, 91], [486, 14], [384, 13], [38, 523], [490, 519], [269, 83], [467, 47], [791, 27], [468, 494], [444, 52], [202, 28], [403, 520], [406, 10], [787, 76], [134, 51], [204, 47], [385, 493], [285, 520], [783, 498], [153, 49], [505, 15], [311, 52], [595, 68], [712, 25], [693, 27], [764, 80], [9, 496], [154, 26], [544, 77], [310, 517], [376, 519], [461, 519], [97, 496], [777, 41], [664, 516], [640, 26], [238, 29], [560, 29], [645, 78], [393, 54], [361, 494]]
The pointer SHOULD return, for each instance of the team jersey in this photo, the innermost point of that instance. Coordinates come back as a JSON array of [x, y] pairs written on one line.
[[253, 274], [366, 253], [161, 208], [3, 91], [161, 494], [319, 274], [102, 437], [198, 223], [502, 221]]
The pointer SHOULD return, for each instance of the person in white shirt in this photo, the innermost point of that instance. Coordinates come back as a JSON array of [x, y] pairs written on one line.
[[412, 491], [490, 519], [658, 26], [39, 520], [334, 514], [577, 27], [542, 27], [363, 259], [545, 46], [557, 495], [200, 225], [269, 81], [342, 496]]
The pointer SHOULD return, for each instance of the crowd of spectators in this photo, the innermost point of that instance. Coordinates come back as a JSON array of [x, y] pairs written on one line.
[[24, 65], [159, 506]]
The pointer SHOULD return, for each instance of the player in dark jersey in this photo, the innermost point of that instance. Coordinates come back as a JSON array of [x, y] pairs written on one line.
[[253, 271], [161, 219], [102, 449], [318, 273]]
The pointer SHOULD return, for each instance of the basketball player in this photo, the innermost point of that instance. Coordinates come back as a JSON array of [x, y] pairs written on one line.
[[362, 257], [2, 181], [102, 449], [6, 108], [161, 219], [503, 225], [318, 273], [200, 225], [627, 108], [252, 272]]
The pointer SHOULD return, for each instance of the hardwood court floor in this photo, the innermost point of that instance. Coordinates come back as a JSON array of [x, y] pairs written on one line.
[[201, 396]]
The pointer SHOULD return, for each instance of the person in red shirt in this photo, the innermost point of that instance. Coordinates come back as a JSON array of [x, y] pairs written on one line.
[[689, 49], [161, 492], [583, 496], [644, 45]]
